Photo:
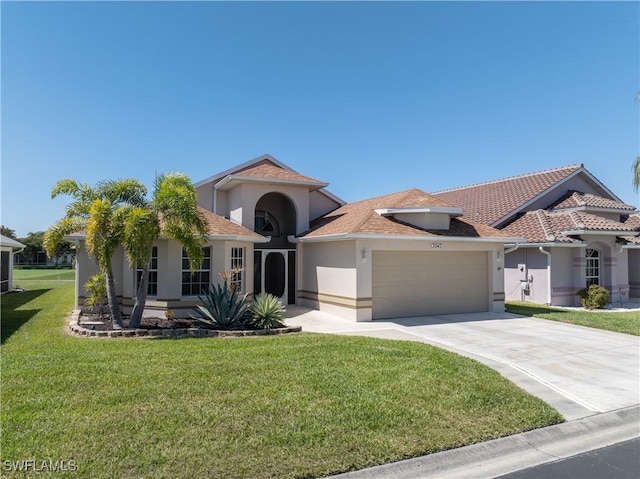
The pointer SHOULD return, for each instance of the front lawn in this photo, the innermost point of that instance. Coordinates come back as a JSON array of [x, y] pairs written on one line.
[[302, 405], [620, 322], [22, 275]]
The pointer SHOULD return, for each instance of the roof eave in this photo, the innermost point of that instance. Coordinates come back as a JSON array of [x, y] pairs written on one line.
[[451, 211], [228, 182], [550, 244], [435, 238], [598, 232], [244, 238]]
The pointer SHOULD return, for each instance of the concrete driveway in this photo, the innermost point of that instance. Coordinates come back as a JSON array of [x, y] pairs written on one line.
[[579, 371]]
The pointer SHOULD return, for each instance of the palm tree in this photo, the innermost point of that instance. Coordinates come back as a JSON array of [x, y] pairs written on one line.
[[172, 213], [102, 213]]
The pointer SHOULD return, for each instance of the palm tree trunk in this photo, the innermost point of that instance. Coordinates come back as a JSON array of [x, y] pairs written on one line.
[[112, 298], [141, 299]]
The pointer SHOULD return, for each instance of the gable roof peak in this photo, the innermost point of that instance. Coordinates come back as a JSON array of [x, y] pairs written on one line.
[[567, 169]]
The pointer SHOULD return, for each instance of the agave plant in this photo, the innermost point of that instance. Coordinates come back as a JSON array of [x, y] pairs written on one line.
[[223, 307], [267, 312]]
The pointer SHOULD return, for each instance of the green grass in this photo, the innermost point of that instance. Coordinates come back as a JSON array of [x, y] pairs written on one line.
[[300, 405], [620, 322], [22, 275]]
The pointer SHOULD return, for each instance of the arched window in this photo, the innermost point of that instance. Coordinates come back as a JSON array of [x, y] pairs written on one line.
[[593, 266], [266, 224]]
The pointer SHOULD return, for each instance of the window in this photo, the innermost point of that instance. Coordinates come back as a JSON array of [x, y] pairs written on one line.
[[196, 283], [152, 280], [237, 268], [593, 266], [266, 224]]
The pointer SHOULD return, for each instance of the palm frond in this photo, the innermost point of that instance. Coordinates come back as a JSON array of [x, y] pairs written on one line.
[[127, 191], [53, 236], [67, 186]]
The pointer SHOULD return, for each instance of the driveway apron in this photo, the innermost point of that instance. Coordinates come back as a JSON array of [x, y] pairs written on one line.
[[580, 371]]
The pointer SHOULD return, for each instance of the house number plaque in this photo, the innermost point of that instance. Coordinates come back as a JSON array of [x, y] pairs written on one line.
[[436, 245]]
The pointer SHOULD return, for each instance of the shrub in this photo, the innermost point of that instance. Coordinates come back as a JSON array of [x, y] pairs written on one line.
[[593, 297], [96, 293], [223, 307], [266, 312]]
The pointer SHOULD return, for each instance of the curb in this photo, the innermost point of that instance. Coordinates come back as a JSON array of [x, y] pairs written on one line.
[[77, 330], [513, 453]]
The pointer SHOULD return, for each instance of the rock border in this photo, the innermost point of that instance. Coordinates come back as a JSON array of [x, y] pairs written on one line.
[[77, 330]]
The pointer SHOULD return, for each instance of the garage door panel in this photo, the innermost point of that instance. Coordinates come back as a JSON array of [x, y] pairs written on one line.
[[420, 284]]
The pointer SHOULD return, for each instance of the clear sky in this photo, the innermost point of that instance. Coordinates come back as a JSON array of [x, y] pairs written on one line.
[[371, 97]]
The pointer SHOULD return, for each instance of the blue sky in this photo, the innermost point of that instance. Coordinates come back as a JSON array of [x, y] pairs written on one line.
[[372, 97]]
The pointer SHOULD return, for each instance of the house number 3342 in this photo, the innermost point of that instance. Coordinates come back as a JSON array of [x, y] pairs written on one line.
[[436, 245]]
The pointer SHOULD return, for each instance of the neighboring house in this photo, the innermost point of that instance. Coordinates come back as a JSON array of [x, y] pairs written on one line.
[[8, 247], [577, 233], [404, 254]]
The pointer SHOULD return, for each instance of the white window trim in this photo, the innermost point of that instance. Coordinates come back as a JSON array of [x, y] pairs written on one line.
[[238, 260], [593, 263]]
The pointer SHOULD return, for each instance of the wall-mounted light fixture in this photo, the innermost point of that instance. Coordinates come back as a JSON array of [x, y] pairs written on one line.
[[499, 260], [365, 255]]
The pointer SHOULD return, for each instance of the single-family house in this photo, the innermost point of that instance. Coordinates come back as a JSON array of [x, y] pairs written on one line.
[[8, 246], [577, 231], [402, 254]]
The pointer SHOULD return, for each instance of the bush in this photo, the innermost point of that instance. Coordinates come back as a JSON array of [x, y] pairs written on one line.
[[593, 297], [96, 288], [266, 312], [223, 307]]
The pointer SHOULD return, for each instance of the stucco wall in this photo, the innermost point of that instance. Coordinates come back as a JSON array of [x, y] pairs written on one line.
[[169, 274], [568, 272], [634, 274], [242, 201], [205, 196], [337, 276], [320, 204]]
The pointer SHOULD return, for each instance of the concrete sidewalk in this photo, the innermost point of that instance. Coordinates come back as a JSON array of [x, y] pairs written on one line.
[[592, 377]]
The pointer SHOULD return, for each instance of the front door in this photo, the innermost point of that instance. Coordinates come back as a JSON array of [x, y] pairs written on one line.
[[275, 273]]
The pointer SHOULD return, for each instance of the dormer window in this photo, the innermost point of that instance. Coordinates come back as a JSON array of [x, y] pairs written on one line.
[[266, 224]]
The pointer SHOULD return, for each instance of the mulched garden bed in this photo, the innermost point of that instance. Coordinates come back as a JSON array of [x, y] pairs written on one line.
[[93, 325]]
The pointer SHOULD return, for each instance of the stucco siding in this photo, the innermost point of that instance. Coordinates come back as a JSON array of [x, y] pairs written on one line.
[[634, 274], [320, 204]]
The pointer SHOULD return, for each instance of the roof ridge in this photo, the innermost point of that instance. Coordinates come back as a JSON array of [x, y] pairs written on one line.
[[546, 225], [577, 219], [405, 193], [510, 178], [364, 219]]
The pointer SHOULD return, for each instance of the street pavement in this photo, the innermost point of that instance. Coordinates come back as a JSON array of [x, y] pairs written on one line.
[[619, 461]]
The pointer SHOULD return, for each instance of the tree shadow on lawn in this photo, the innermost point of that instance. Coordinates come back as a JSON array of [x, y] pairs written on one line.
[[532, 310], [12, 317]]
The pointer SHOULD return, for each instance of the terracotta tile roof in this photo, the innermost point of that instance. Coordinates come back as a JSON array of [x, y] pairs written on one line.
[[633, 220], [360, 217], [577, 199], [543, 226], [269, 171], [487, 203], [219, 226]]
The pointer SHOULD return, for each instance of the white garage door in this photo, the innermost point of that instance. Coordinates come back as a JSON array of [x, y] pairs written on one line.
[[421, 284]]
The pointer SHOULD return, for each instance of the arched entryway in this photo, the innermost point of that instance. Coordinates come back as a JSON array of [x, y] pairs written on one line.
[[274, 262]]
